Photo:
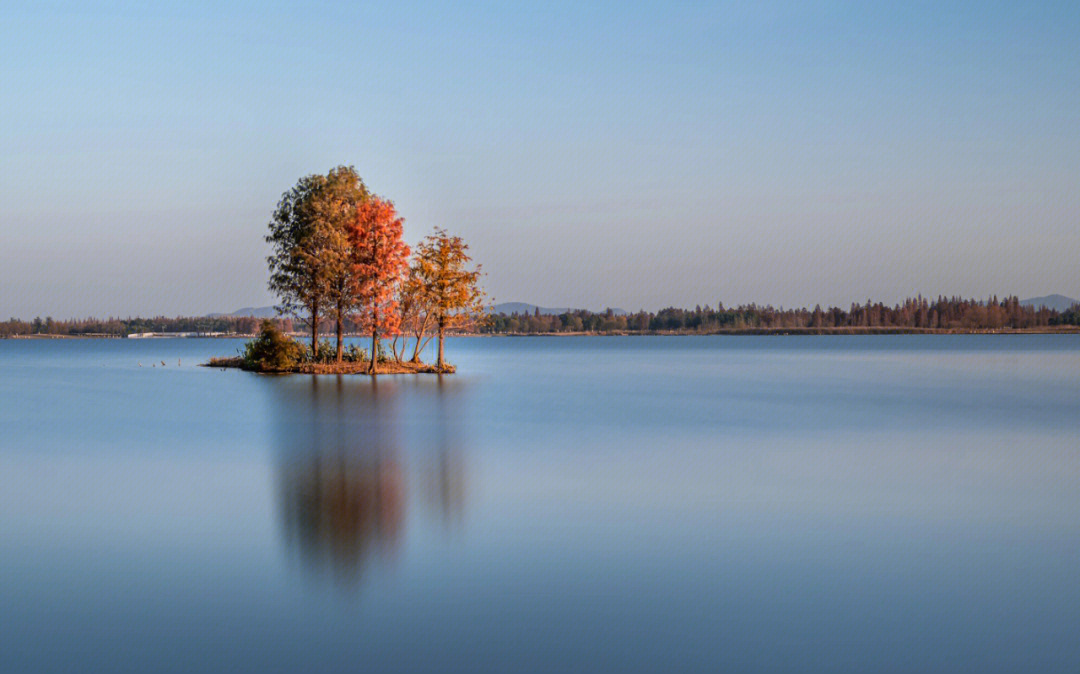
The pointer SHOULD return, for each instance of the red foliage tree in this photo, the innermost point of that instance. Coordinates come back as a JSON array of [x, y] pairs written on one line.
[[379, 261]]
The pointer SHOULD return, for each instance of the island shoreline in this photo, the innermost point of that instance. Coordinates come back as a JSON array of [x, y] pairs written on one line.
[[347, 367]]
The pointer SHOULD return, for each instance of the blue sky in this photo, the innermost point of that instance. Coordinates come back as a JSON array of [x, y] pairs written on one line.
[[627, 154]]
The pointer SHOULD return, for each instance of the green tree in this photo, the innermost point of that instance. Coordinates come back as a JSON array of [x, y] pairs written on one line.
[[309, 267], [335, 205]]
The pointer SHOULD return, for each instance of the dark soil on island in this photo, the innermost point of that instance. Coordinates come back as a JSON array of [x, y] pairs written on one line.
[[360, 367]]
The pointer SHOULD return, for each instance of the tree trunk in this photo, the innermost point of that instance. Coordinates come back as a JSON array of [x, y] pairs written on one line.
[[374, 340], [440, 361], [420, 339], [340, 331], [314, 330]]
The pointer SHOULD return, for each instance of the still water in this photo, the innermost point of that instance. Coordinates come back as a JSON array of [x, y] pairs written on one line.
[[623, 504]]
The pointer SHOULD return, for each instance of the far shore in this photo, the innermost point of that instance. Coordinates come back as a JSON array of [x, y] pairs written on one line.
[[1048, 330], [85, 336], [1053, 330]]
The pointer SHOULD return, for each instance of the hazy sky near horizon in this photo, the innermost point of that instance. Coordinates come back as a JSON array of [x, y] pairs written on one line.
[[593, 154]]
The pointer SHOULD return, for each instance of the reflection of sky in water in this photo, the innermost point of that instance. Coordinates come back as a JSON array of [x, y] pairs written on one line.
[[768, 504]]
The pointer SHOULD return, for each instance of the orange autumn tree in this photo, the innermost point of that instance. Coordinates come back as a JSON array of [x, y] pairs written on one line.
[[413, 316], [379, 261], [449, 288]]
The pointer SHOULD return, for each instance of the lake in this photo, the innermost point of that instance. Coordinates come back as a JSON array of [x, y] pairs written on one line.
[[903, 503]]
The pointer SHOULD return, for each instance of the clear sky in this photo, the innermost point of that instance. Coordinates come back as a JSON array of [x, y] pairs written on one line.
[[626, 154]]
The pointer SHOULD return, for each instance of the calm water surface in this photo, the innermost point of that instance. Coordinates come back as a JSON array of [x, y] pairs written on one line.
[[890, 503]]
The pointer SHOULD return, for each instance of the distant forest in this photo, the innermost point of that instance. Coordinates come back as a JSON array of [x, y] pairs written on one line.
[[913, 315], [121, 327]]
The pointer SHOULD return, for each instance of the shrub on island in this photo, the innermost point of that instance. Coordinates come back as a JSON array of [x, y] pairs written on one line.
[[272, 351]]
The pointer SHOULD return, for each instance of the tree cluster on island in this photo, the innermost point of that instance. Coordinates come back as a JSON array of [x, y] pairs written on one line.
[[338, 253]]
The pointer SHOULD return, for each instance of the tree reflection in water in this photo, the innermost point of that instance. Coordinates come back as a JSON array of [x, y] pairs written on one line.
[[337, 509], [346, 445]]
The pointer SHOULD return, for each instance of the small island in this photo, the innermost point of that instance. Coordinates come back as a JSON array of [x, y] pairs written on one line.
[[274, 352], [338, 255], [360, 367]]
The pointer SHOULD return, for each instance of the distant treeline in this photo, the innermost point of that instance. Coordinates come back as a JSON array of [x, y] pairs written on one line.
[[919, 314], [121, 327]]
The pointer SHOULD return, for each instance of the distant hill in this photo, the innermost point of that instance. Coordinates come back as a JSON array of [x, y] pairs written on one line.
[[1057, 302], [503, 308], [524, 308], [257, 312]]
